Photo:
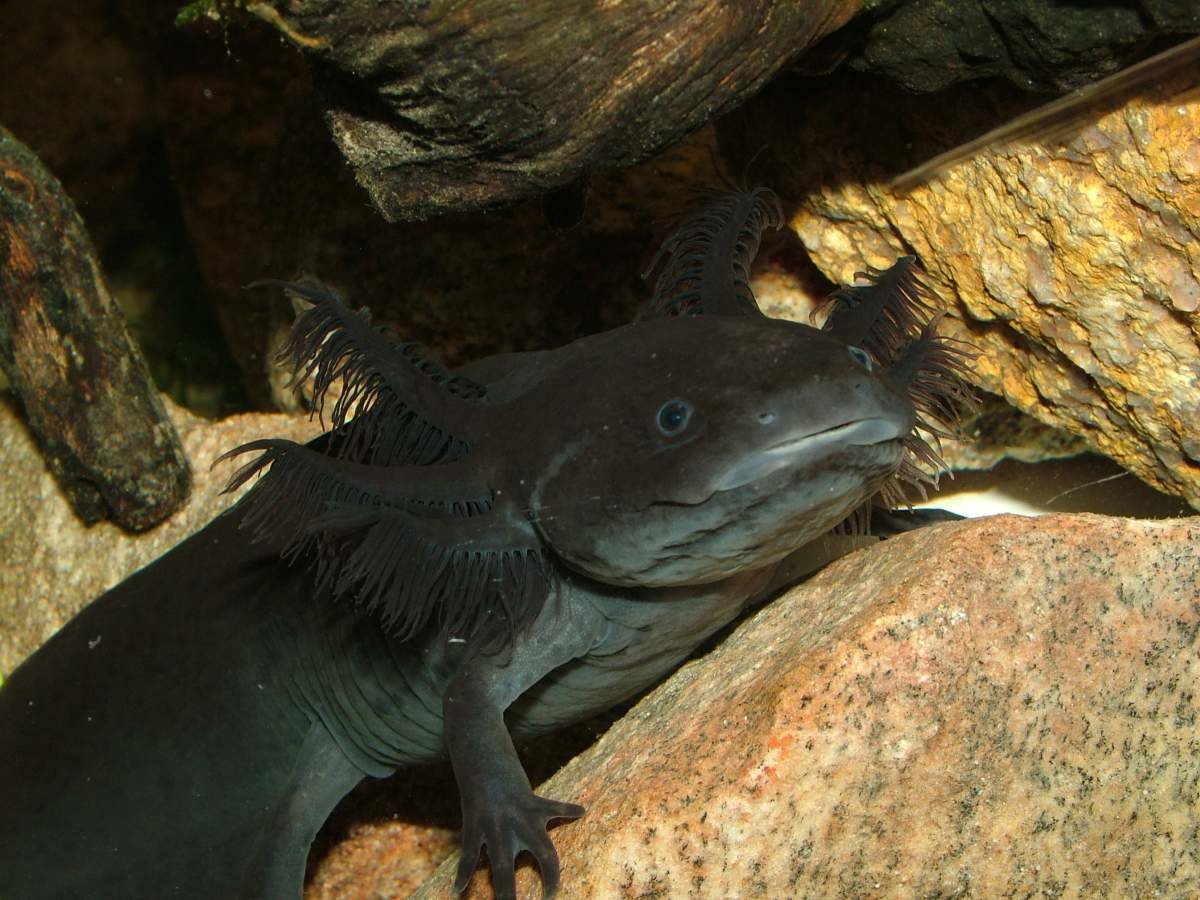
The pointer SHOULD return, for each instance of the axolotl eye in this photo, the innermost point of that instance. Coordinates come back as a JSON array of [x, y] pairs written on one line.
[[673, 417], [859, 355]]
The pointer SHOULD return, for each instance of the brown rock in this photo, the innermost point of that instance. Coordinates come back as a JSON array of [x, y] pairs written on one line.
[[51, 564], [905, 724], [442, 107], [80, 378], [1076, 266]]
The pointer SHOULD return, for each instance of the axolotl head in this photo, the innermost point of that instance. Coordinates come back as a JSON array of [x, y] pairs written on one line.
[[677, 450], [695, 447]]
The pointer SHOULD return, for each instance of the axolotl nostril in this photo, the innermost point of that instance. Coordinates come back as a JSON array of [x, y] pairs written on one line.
[[533, 537]]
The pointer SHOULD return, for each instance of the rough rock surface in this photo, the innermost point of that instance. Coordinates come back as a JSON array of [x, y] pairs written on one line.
[[381, 859], [51, 564], [1077, 265], [997, 432], [442, 106], [1044, 45], [81, 379], [907, 725]]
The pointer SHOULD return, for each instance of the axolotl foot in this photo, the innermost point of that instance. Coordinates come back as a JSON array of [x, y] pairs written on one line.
[[507, 830]]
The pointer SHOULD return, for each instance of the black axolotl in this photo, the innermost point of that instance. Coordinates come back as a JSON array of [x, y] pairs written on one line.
[[465, 557]]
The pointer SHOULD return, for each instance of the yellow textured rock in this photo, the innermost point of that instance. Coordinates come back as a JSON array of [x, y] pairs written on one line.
[[1075, 265]]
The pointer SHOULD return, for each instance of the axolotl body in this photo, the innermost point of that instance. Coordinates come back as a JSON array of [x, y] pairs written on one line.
[[533, 537]]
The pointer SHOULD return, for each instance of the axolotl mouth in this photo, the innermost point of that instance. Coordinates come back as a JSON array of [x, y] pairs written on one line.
[[801, 449]]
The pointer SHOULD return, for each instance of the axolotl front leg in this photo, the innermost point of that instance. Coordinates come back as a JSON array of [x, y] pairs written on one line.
[[500, 810]]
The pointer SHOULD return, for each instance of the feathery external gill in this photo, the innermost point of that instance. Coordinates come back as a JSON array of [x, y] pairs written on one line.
[[298, 482], [891, 318], [413, 543], [485, 577], [395, 405], [381, 511], [708, 257], [884, 315]]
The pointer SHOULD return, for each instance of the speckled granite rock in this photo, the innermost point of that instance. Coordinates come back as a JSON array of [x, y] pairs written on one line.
[[910, 725], [51, 564], [1077, 266], [385, 859]]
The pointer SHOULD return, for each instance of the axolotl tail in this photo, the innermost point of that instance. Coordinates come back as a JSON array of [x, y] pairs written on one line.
[[149, 750]]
